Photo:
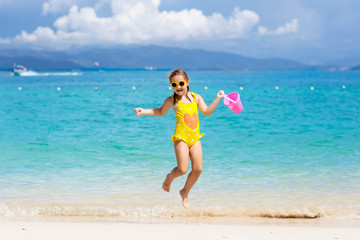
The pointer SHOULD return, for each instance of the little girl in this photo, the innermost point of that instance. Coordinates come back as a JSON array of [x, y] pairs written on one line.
[[187, 132]]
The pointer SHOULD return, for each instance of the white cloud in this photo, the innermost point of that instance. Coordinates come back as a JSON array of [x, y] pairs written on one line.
[[290, 27], [62, 6], [141, 21], [54, 6]]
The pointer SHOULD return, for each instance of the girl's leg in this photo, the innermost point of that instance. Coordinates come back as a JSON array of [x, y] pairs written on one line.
[[182, 158], [196, 163]]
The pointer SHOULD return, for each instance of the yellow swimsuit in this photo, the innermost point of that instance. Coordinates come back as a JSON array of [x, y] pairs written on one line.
[[187, 127]]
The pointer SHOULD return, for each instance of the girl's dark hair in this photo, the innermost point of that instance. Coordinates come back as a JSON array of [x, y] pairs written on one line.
[[181, 72]]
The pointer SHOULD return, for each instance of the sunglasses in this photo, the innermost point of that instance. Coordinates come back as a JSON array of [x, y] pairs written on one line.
[[175, 84]]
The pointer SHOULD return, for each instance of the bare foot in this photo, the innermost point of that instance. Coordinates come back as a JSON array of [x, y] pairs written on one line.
[[185, 200], [167, 183]]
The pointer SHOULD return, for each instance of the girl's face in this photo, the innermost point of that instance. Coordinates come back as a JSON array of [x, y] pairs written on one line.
[[179, 85]]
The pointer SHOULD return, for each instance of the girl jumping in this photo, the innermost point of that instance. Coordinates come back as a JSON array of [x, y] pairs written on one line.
[[187, 130]]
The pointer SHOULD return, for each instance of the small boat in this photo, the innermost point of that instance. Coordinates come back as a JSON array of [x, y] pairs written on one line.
[[150, 68], [18, 70]]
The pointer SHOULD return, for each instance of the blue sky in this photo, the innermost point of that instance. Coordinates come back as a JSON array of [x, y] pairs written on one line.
[[310, 31]]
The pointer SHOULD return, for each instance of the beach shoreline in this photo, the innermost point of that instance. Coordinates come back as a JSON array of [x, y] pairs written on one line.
[[13, 228], [326, 222]]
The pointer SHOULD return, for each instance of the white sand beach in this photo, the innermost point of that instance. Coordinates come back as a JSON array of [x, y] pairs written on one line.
[[54, 230]]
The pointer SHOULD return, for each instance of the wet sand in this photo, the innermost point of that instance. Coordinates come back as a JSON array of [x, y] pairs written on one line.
[[31, 229]]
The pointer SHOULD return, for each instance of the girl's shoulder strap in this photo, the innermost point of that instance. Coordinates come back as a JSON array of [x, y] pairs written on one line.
[[193, 95]]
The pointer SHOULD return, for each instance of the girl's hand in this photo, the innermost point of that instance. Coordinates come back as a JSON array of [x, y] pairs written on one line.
[[220, 94], [139, 111]]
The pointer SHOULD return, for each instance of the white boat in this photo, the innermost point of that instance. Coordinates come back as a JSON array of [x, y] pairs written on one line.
[[150, 68], [18, 70]]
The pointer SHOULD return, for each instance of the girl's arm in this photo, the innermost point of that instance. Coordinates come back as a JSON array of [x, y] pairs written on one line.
[[208, 110], [156, 112]]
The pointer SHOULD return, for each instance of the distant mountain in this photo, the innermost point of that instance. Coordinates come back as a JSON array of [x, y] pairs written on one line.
[[357, 68], [344, 62], [37, 60], [141, 57]]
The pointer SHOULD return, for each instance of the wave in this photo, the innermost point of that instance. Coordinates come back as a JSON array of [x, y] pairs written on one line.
[[160, 211], [45, 74]]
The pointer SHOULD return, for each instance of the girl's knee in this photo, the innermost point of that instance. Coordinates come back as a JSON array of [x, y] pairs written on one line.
[[197, 170], [182, 170]]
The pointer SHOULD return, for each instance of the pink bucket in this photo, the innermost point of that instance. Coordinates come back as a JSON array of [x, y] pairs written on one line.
[[237, 106]]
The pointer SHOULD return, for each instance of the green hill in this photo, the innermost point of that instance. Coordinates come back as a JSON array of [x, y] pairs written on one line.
[[141, 57]]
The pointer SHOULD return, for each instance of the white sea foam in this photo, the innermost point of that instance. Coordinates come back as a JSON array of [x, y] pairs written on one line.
[[45, 74], [165, 211]]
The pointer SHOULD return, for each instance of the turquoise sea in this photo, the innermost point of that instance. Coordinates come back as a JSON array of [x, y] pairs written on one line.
[[70, 145]]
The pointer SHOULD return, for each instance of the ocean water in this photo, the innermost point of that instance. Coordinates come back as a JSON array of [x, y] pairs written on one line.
[[70, 145]]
